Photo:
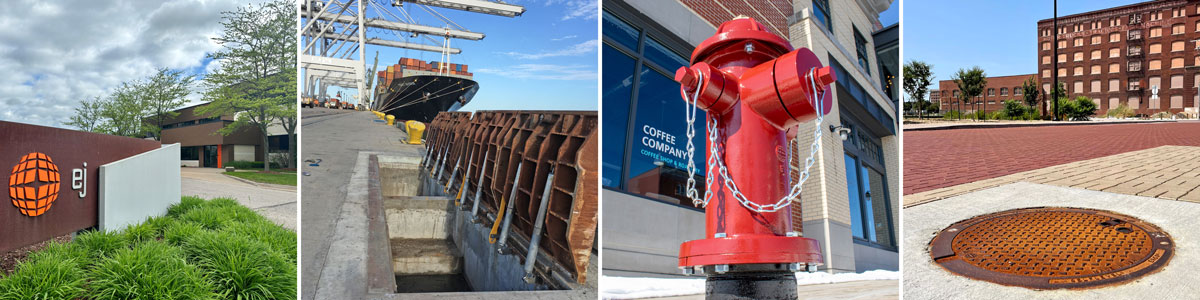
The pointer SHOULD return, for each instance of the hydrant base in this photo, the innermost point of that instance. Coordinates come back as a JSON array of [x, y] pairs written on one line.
[[754, 285], [750, 249]]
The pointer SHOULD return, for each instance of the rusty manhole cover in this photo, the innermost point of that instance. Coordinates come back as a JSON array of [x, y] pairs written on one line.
[[1052, 248]]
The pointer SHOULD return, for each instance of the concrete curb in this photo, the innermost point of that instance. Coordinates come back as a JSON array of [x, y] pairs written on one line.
[[1011, 125], [262, 185]]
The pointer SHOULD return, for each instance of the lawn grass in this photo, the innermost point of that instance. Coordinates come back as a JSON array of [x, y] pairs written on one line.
[[284, 178], [202, 249]]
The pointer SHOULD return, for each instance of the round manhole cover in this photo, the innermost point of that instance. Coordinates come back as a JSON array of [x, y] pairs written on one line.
[[1052, 248]]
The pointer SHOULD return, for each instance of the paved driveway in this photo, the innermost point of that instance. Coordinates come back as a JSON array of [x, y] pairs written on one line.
[[276, 202], [943, 158]]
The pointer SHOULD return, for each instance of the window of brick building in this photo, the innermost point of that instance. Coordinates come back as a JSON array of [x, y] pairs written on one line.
[[1062, 72], [1177, 63], [1046, 60], [1078, 56], [1135, 34], [1155, 65], [1046, 46], [1135, 66], [1155, 48], [1078, 87], [1155, 32], [1095, 54], [1114, 68], [1095, 86], [1003, 92], [1134, 102], [991, 92], [1017, 91], [1078, 71], [1114, 85], [1154, 81], [1176, 46], [1046, 73], [1114, 102], [1078, 42], [1096, 39], [1177, 101], [1114, 52], [1114, 37], [1177, 29], [1177, 81], [1095, 69], [1062, 44], [1062, 57]]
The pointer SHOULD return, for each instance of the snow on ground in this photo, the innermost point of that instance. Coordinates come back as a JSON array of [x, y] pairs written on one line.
[[613, 287]]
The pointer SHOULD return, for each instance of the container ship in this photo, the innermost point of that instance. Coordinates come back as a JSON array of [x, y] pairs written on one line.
[[418, 90]]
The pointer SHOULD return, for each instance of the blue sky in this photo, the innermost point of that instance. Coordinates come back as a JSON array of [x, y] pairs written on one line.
[[891, 15], [998, 36], [545, 59]]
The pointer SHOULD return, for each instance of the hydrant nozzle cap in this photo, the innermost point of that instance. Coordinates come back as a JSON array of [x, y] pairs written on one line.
[[686, 78]]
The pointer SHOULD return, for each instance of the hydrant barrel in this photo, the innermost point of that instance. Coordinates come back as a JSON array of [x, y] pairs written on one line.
[[755, 87]]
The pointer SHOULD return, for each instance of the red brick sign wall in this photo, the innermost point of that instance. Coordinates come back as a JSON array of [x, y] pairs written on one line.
[[51, 179]]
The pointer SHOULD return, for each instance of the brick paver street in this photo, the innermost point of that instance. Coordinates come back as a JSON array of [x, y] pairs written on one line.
[[937, 159]]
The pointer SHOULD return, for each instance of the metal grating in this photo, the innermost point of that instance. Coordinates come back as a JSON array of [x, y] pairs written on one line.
[[1050, 248], [495, 144]]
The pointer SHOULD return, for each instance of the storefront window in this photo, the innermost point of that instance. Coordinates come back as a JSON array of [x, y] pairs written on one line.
[[648, 157]]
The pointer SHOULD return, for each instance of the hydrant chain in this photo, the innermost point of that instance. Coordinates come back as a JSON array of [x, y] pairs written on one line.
[[794, 192]]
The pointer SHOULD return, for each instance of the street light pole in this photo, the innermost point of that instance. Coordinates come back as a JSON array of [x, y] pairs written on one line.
[[1054, 88]]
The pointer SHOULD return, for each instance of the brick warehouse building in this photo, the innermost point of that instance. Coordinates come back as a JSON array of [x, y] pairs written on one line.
[[1119, 55], [998, 90], [851, 206]]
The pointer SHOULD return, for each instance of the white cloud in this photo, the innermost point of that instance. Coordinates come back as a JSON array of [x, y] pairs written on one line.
[[544, 72], [577, 49], [564, 38], [56, 53], [585, 9]]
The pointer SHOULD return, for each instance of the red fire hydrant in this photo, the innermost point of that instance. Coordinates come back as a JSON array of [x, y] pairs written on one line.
[[755, 88]]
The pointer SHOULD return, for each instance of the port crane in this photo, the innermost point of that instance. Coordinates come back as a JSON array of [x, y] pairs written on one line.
[[334, 31]]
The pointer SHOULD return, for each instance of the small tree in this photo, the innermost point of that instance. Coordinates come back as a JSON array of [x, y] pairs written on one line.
[[124, 111], [164, 94], [87, 115], [917, 78], [971, 82], [1013, 109], [1029, 90]]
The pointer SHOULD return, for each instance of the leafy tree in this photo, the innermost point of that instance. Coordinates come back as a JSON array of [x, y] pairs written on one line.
[[164, 94], [256, 80], [124, 111], [917, 78], [87, 115], [971, 82], [1030, 92]]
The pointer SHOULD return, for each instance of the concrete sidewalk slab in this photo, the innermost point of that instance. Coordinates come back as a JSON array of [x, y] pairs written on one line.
[[925, 280]]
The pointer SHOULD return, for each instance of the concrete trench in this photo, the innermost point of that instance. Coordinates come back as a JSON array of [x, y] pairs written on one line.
[[422, 244]]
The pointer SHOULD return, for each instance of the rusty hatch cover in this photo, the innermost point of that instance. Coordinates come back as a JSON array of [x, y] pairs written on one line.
[[1052, 248]]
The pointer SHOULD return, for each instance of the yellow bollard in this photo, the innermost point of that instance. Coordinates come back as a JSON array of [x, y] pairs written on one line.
[[391, 120], [416, 130]]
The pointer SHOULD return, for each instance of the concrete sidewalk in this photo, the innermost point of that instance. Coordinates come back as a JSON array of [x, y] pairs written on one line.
[[275, 202], [923, 279], [940, 125]]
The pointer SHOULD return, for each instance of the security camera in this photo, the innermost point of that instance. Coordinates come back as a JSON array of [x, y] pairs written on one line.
[[841, 131]]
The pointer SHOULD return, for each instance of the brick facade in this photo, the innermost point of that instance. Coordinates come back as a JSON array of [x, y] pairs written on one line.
[[998, 90], [1116, 55], [772, 13]]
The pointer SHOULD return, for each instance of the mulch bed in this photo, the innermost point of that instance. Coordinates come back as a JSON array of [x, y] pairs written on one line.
[[9, 260]]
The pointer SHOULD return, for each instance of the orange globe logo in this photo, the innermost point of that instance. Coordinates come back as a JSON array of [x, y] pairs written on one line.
[[34, 183]]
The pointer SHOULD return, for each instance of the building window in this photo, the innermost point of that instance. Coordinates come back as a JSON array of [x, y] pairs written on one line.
[[1114, 68], [1155, 65], [1096, 40], [1177, 81], [860, 46], [866, 185], [1155, 48], [1156, 32], [1078, 56], [1078, 88], [1114, 85], [1095, 69], [1003, 92], [1078, 71], [1062, 72], [1177, 101], [1177, 63], [1114, 37], [1096, 54], [955, 94], [1078, 42], [1135, 34], [821, 12], [1046, 73], [1176, 46], [1046, 60], [646, 156], [1155, 82], [1096, 87], [1062, 44], [1114, 52], [1045, 45], [1177, 29], [189, 153], [991, 92]]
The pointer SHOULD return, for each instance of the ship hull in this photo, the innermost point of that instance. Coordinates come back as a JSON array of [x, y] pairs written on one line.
[[422, 97]]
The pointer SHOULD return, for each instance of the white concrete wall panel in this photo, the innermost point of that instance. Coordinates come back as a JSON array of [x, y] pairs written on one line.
[[138, 187], [243, 152]]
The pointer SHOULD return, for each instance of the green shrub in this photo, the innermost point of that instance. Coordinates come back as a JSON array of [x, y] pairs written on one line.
[[998, 115], [221, 202], [180, 231], [1081, 109], [99, 243], [1014, 110], [979, 115], [141, 232], [47, 277], [242, 268], [953, 115], [243, 165], [1122, 111], [150, 270], [218, 213], [62, 251], [279, 239], [1160, 115], [185, 204]]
